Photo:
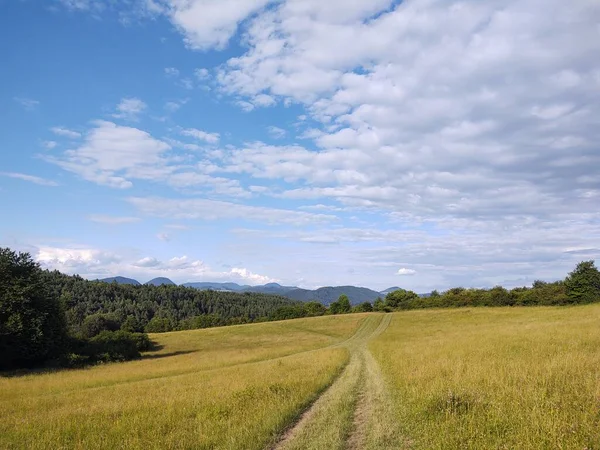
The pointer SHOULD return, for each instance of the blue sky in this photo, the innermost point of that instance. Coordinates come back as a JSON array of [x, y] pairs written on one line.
[[423, 144]]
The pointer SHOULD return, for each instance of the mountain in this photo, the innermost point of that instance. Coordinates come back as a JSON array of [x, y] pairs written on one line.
[[121, 280], [206, 285], [329, 294], [388, 290], [160, 281], [324, 295], [271, 288]]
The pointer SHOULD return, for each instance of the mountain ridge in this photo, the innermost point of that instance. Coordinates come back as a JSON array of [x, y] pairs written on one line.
[[325, 295]]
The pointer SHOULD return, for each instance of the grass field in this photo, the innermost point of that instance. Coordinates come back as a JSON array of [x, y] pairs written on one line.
[[479, 378], [491, 378], [230, 388]]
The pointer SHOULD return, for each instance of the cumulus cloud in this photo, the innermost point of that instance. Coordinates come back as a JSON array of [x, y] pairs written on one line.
[[210, 23], [65, 132], [30, 178], [130, 109], [94, 263], [405, 271], [112, 153], [211, 138], [171, 72], [276, 132]]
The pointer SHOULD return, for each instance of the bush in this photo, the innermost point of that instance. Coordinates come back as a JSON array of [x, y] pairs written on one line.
[[97, 323], [113, 346], [159, 325]]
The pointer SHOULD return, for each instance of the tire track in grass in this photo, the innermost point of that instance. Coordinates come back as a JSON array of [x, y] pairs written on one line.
[[339, 418]]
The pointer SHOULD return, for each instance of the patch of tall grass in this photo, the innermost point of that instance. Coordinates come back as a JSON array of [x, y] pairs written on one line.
[[505, 378], [226, 388]]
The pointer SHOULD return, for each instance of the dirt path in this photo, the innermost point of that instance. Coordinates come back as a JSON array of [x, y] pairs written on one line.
[[347, 414]]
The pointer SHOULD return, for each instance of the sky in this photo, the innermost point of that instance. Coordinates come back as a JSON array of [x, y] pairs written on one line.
[[424, 144]]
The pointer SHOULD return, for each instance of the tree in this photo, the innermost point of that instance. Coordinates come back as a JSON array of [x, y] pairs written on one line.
[[400, 298], [314, 309], [159, 325], [434, 294], [378, 305], [33, 329], [97, 323], [341, 305], [583, 284], [363, 307]]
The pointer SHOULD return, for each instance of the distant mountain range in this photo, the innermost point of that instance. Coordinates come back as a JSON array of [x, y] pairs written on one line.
[[324, 295]]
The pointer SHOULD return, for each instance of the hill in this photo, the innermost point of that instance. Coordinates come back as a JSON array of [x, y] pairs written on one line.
[[329, 294], [121, 280], [160, 281]]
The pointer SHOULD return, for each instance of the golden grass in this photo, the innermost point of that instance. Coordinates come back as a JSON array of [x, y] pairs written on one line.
[[229, 388], [491, 378], [327, 424]]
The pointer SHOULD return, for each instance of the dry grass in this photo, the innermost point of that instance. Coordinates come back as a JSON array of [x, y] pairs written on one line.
[[490, 378], [228, 388]]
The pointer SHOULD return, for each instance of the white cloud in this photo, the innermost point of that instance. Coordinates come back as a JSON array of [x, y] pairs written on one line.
[[112, 220], [202, 74], [28, 104], [65, 132], [404, 271], [49, 144], [171, 72], [211, 138], [210, 23], [112, 153], [164, 237], [94, 263], [205, 209], [130, 109], [276, 132], [173, 106], [30, 178]]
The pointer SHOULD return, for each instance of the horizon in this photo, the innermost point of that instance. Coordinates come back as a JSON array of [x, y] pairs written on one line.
[[420, 144]]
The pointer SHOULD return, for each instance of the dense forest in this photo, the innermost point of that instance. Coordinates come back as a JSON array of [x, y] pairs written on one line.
[[156, 308]]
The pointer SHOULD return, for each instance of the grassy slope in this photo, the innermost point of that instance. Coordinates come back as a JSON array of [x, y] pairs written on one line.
[[526, 378], [233, 387]]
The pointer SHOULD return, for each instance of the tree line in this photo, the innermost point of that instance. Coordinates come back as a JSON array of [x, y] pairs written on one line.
[[49, 318]]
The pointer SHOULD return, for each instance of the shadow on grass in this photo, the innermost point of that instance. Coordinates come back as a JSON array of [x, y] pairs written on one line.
[[166, 355]]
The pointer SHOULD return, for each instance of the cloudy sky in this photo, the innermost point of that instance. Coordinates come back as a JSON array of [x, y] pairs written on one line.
[[419, 143]]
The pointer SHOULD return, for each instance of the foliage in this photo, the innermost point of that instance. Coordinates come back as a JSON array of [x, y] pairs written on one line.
[[133, 307], [583, 284], [363, 307], [341, 305], [400, 299], [159, 325], [97, 323], [32, 323]]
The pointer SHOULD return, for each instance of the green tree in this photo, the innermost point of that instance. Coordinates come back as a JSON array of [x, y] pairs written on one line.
[[97, 323], [32, 324], [314, 309], [363, 307], [400, 299], [341, 305], [378, 305], [583, 284], [132, 325], [159, 325]]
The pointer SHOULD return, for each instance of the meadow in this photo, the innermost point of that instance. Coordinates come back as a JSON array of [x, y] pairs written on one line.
[[473, 378], [494, 378], [232, 387]]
